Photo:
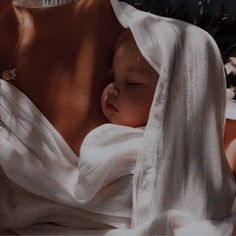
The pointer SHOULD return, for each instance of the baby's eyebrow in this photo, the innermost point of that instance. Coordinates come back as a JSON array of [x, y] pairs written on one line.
[[138, 69]]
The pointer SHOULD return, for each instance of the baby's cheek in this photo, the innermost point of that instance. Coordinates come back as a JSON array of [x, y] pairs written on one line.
[[144, 109], [138, 115]]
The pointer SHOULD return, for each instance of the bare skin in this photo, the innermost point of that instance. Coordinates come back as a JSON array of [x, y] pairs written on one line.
[[230, 143], [63, 62], [127, 100]]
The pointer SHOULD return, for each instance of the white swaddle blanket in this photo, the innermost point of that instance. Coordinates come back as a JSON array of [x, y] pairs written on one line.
[[182, 165], [34, 156]]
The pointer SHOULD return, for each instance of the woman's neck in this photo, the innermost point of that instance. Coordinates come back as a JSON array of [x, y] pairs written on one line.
[[21, 26], [8, 27]]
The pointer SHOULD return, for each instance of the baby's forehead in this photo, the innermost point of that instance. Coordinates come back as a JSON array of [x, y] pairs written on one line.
[[125, 38], [126, 45]]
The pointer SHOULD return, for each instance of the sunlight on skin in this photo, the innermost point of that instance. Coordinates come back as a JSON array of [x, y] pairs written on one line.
[[86, 47], [231, 155], [26, 28]]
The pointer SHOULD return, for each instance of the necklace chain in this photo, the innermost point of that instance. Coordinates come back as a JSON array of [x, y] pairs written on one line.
[[11, 72]]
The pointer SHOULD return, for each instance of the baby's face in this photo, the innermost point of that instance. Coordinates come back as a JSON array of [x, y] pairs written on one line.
[[128, 99]]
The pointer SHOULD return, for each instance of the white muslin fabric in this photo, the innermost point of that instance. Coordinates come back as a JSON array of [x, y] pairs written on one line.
[[181, 174], [40, 3], [95, 188], [183, 165], [107, 153]]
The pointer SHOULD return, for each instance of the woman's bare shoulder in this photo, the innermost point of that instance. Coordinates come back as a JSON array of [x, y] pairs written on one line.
[[101, 11]]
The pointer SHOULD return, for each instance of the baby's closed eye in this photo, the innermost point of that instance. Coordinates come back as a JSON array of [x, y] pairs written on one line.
[[133, 83]]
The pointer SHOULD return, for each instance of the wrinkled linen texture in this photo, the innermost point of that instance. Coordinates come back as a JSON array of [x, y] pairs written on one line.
[[181, 172], [91, 191], [183, 165]]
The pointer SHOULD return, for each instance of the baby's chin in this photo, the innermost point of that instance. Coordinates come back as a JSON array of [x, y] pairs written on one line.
[[116, 121]]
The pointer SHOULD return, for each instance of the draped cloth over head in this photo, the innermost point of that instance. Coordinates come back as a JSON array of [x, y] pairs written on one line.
[[183, 165]]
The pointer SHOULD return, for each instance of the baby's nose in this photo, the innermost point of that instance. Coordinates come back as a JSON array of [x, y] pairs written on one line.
[[114, 90]]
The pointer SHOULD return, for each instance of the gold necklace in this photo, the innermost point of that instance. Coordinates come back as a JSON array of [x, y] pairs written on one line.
[[11, 72]]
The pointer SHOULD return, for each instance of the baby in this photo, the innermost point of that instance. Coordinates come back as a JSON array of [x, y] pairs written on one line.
[[110, 151], [127, 100]]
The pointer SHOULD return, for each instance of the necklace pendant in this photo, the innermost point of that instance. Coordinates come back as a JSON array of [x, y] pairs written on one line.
[[9, 74]]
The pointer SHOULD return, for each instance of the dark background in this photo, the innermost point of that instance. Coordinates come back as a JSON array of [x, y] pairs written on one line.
[[215, 16]]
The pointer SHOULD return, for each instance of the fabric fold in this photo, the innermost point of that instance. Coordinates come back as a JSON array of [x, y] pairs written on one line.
[[183, 165], [181, 171], [34, 156]]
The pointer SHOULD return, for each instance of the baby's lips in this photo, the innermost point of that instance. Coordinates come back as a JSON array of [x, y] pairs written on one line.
[[110, 106]]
